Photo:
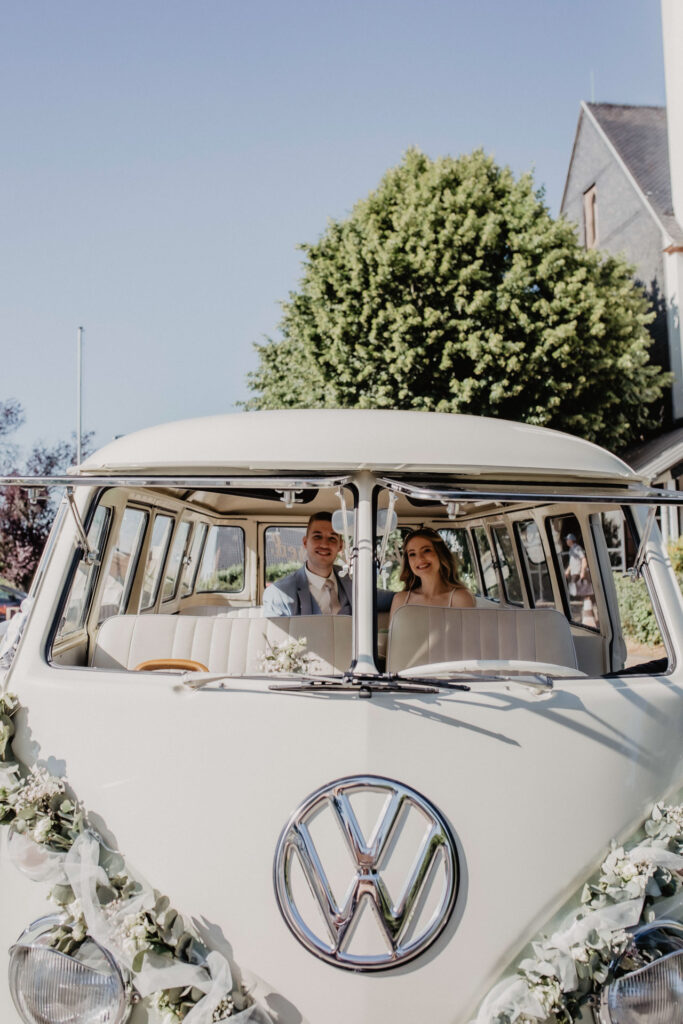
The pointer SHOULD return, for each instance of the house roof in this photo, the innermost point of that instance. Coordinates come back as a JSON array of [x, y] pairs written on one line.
[[655, 458], [640, 138]]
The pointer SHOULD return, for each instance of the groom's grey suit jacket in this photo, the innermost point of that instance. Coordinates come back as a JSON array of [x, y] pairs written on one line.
[[292, 596]]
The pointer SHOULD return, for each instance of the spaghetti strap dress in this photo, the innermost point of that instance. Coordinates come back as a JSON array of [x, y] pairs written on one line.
[[450, 598]]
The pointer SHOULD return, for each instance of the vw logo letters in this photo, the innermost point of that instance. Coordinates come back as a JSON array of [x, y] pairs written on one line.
[[366, 899]]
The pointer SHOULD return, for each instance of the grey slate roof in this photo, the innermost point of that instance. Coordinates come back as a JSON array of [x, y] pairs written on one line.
[[639, 134], [655, 457]]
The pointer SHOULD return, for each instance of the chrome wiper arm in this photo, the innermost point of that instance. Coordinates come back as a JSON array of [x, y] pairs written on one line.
[[365, 684], [535, 680]]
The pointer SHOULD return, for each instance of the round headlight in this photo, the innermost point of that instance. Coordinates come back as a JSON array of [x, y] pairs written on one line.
[[49, 987], [647, 980]]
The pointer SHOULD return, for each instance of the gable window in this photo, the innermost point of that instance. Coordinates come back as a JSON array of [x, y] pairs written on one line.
[[590, 217]]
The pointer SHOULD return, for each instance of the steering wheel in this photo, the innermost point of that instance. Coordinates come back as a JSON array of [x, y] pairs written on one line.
[[495, 667], [170, 664]]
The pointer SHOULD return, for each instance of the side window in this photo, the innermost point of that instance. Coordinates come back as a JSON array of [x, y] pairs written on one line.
[[175, 562], [637, 624], [508, 565], [537, 572], [617, 539], [458, 542], [86, 575], [284, 551], [575, 573], [192, 563], [487, 563], [122, 563], [222, 568], [389, 577], [156, 556]]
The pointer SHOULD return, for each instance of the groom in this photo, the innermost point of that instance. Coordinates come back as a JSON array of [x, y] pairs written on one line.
[[316, 588]]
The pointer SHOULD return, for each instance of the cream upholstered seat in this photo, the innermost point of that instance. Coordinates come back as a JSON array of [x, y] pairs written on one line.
[[422, 635], [224, 644], [247, 612]]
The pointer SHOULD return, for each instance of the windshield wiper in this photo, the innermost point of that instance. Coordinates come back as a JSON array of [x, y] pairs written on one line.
[[365, 684]]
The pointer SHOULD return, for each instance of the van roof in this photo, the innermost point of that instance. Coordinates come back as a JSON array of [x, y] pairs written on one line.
[[346, 440]]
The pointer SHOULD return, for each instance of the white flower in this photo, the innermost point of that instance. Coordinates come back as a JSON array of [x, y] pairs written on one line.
[[288, 657], [42, 830], [39, 787], [132, 933]]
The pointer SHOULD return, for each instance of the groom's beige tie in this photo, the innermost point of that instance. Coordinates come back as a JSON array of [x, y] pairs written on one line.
[[329, 601]]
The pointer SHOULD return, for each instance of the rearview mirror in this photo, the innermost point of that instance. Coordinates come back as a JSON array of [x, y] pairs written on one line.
[[338, 521]]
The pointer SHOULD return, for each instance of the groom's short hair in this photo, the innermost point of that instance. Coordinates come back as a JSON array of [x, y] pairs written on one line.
[[322, 517]]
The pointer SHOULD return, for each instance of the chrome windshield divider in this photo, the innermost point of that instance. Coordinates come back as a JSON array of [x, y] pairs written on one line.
[[89, 553]]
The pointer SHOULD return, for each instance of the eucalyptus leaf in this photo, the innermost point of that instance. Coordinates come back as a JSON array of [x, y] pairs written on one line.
[[138, 960]]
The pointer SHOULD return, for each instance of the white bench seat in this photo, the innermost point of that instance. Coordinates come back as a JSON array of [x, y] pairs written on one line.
[[422, 635], [246, 612], [224, 644]]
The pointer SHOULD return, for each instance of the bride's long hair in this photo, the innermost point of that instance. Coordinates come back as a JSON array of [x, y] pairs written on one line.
[[448, 567]]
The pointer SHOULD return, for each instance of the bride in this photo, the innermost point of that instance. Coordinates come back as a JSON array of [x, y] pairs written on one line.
[[430, 574]]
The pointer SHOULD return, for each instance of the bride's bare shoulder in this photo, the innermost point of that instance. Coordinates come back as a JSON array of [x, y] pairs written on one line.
[[399, 600], [463, 598]]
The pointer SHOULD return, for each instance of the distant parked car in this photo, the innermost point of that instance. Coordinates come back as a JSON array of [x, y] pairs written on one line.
[[10, 598]]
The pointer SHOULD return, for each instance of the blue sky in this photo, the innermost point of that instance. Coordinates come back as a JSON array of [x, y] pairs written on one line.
[[162, 159]]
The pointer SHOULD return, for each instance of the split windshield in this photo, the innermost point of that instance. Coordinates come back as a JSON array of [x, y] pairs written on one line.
[[548, 584]]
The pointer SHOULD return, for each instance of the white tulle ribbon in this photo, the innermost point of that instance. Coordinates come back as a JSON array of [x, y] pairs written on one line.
[[85, 875], [513, 997], [220, 985], [661, 858], [10, 641], [34, 860], [616, 917]]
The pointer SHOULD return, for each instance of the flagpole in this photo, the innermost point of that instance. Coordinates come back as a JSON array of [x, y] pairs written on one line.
[[79, 376]]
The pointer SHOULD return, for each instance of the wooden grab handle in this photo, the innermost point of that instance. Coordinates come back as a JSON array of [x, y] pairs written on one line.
[[174, 664]]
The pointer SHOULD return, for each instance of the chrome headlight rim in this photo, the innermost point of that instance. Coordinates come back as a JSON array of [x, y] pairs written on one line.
[[40, 929], [601, 1010]]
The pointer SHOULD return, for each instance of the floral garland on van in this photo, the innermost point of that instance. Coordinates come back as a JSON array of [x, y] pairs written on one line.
[[639, 882], [50, 840]]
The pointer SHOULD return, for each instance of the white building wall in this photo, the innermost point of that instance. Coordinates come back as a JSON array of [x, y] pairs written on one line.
[[672, 34]]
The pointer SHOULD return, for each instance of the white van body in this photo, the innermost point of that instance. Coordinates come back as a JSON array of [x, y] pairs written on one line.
[[196, 784]]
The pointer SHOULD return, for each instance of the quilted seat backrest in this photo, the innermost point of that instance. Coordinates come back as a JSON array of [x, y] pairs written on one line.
[[248, 612], [224, 644], [422, 635]]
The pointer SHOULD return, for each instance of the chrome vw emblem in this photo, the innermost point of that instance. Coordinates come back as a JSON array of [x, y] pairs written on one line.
[[371, 896]]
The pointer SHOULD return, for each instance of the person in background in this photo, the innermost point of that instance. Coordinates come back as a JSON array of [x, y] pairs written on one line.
[[578, 577]]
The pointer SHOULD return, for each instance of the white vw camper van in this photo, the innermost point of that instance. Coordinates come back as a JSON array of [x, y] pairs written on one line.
[[213, 812]]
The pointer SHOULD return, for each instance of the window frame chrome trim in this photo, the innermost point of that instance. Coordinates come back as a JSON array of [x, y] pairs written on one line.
[[545, 493]]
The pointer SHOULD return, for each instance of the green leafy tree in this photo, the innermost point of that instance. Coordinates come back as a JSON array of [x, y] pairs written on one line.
[[451, 288]]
